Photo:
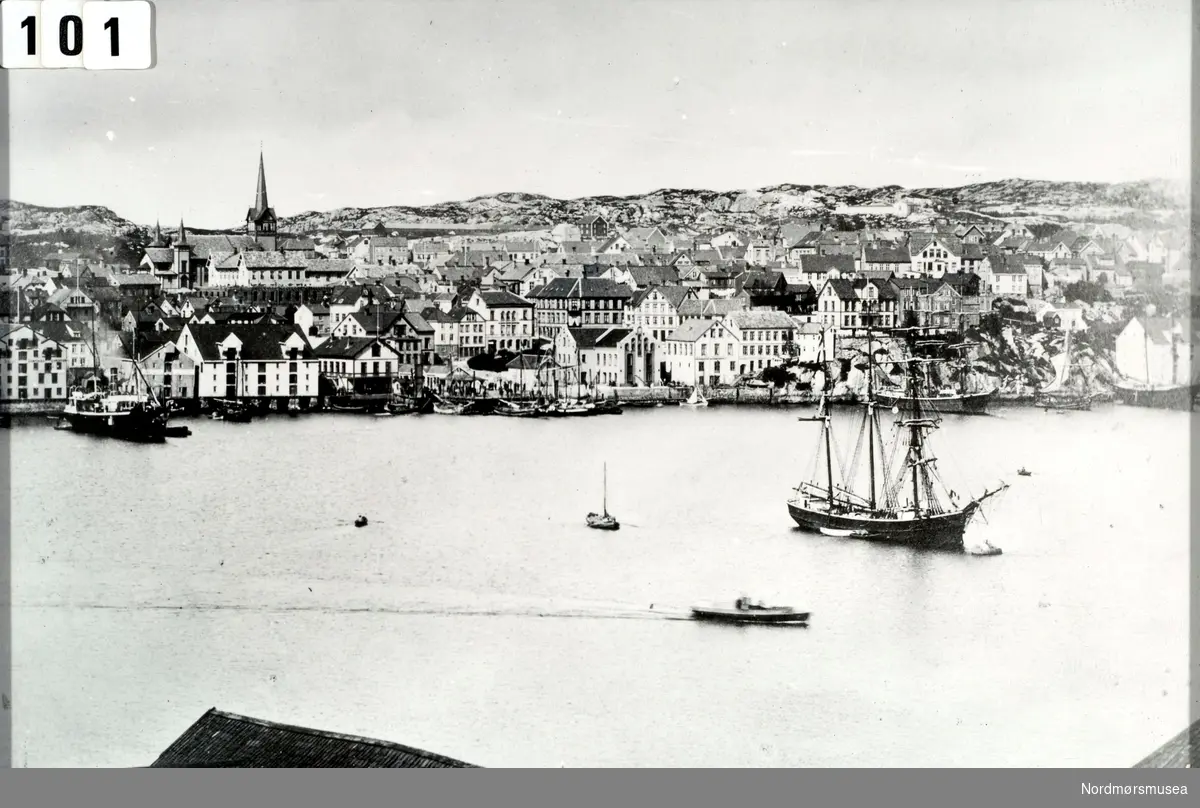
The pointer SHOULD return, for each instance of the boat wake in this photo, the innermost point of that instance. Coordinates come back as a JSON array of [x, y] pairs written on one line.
[[413, 610]]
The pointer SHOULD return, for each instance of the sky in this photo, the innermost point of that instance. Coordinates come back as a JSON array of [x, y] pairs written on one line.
[[399, 102]]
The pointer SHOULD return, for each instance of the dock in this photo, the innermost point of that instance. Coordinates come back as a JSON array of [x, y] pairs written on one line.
[[1181, 752]]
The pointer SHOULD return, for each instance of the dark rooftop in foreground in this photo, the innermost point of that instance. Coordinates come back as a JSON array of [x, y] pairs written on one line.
[[220, 740], [1181, 752]]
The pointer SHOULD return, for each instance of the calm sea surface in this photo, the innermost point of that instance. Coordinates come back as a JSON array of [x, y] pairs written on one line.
[[477, 617]]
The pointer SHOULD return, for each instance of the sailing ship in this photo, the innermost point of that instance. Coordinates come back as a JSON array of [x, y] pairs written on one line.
[[1157, 372], [696, 399], [902, 503], [605, 520], [1070, 389], [970, 396]]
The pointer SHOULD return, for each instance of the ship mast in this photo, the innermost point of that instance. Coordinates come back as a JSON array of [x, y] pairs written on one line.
[[914, 445], [870, 408], [826, 419]]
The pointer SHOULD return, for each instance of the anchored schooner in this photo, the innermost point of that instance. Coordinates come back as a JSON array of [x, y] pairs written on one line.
[[1070, 389], [905, 502]]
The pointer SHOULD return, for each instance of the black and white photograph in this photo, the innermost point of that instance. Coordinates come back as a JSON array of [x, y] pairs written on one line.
[[639, 384]]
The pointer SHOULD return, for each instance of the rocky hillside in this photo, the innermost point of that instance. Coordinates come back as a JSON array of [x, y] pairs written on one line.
[[90, 219], [1028, 200], [693, 208]]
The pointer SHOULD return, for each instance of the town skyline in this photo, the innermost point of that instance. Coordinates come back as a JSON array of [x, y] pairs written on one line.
[[444, 103]]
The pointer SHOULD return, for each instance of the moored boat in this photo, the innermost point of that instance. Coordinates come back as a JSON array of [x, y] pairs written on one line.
[[126, 416], [969, 397], [1070, 389], [1155, 366], [696, 399]]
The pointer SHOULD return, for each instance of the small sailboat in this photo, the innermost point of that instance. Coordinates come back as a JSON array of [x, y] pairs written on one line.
[[1069, 390], [696, 399], [605, 520]]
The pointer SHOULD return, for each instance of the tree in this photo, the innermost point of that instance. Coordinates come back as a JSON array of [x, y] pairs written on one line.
[[1085, 292], [130, 246], [776, 375], [496, 362]]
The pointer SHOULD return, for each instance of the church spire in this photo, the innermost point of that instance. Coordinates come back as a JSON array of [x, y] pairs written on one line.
[[182, 235], [158, 239], [260, 197]]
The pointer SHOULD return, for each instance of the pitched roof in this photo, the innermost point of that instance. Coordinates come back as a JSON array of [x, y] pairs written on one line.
[[504, 299], [599, 337], [583, 288], [714, 307], [273, 260], [260, 341], [225, 740], [820, 264], [691, 330], [919, 241], [344, 347], [330, 266], [204, 246], [160, 255], [761, 319], [887, 254]]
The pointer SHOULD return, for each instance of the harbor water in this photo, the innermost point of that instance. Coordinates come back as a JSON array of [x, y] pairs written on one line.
[[477, 617]]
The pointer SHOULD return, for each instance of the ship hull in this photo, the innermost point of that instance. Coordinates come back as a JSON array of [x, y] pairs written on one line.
[[743, 616], [937, 532], [969, 404], [1178, 397], [134, 427]]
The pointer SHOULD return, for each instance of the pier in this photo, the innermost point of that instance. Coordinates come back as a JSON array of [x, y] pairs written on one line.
[[1181, 752]]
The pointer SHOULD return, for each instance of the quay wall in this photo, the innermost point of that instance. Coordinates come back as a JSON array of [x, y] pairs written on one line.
[[52, 406]]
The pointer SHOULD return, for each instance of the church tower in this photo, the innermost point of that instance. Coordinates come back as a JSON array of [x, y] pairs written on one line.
[[260, 219], [183, 259]]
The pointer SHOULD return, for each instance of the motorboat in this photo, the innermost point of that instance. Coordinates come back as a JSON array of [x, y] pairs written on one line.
[[745, 610]]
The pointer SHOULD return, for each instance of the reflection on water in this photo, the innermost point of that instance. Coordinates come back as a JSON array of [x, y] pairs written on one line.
[[478, 617]]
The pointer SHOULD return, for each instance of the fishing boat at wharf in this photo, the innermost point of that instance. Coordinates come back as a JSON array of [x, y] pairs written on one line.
[[411, 405], [236, 412], [745, 611], [515, 409], [902, 503], [1154, 366], [696, 399], [971, 396]]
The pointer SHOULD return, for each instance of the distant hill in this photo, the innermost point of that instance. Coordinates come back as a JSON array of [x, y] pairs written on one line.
[[1146, 201], [1156, 200], [91, 219]]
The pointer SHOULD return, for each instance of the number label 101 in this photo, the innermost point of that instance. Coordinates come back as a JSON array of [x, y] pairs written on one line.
[[91, 34]]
